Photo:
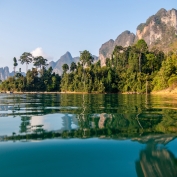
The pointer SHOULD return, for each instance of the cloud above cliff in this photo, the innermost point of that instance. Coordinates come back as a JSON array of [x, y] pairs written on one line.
[[39, 52]]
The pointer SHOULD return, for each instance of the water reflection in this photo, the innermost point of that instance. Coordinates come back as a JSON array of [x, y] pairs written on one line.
[[110, 116], [156, 160], [147, 120]]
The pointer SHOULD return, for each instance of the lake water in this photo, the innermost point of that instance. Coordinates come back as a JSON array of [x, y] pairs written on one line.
[[88, 135]]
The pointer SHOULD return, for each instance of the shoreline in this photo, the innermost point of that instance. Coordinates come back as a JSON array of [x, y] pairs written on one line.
[[166, 92]]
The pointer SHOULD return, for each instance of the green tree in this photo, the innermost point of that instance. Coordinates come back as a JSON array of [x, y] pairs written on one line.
[[40, 62], [15, 64], [26, 58], [73, 66], [65, 68], [86, 58], [141, 47]]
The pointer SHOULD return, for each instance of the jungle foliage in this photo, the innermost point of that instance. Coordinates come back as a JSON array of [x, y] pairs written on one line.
[[133, 69], [39, 78]]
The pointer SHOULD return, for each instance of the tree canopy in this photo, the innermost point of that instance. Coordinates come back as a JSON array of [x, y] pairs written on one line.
[[133, 69]]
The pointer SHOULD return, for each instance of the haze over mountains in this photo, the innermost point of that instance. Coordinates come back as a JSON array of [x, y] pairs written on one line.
[[159, 30]]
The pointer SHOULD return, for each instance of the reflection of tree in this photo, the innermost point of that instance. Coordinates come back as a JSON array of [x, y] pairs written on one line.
[[120, 115], [37, 129], [25, 124], [122, 123], [156, 162], [84, 123], [169, 121], [149, 120]]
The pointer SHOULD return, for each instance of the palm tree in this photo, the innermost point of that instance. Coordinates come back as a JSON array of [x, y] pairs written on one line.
[[26, 58]]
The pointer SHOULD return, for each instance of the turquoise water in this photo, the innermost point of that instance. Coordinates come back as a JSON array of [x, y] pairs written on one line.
[[88, 135]]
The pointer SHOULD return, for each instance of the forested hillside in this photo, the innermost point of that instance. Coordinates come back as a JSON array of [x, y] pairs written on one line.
[[133, 69]]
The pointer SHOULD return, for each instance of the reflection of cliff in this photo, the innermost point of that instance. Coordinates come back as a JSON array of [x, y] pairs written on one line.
[[103, 117], [156, 162], [3, 108], [25, 124]]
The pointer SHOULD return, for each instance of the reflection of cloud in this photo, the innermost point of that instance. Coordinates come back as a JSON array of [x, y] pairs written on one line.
[[39, 52], [39, 120], [55, 122]]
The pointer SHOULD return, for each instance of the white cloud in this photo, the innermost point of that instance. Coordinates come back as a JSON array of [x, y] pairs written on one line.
[[39, 52]]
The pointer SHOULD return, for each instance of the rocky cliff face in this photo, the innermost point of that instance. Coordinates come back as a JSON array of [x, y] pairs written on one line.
[[4, 73], [160, 29], [125, 39]]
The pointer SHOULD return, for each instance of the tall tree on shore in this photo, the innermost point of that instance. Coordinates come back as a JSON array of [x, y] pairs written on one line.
[[15, 64], [65, 68], [86, 58], [73, 66], [26, 58], [40, 62], [141, 47]]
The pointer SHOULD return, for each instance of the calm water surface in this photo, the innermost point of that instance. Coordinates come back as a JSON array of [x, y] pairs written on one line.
[[88, 135]]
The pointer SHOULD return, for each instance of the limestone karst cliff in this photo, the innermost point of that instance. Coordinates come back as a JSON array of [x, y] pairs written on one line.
[[4, 73], [125, 39], [160, 31]]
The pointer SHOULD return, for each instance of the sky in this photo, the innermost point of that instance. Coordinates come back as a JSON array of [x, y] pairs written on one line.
[[52, 27]]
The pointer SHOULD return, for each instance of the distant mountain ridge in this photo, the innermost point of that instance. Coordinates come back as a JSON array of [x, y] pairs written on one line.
[[159, 30], [57, 66], [4, 73], [65, 59]]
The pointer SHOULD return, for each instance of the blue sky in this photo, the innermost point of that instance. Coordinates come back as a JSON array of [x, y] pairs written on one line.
[[53, 27]]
